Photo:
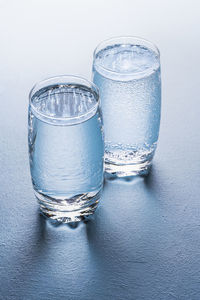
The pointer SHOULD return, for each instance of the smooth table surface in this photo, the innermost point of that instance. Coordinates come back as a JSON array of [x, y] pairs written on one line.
[[144, 240]]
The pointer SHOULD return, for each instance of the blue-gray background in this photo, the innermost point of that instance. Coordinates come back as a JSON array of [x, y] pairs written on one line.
[[144, 242]]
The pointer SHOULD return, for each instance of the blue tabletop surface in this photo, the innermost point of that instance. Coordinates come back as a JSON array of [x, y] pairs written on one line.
[[144, 240]]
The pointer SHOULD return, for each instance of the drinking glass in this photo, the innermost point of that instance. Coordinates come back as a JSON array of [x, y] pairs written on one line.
[[127, 73], [66, 147]]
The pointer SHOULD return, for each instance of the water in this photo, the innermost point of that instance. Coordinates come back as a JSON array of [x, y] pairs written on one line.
[[128, 77], [66, 148]]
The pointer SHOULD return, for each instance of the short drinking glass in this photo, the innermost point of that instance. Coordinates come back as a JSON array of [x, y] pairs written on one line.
[[127, 73], [66, 147]]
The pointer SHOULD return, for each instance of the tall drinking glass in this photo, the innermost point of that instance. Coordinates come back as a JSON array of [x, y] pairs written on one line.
[[66, 147], [127, 73]]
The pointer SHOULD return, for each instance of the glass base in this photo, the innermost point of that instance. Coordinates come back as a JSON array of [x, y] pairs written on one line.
[[64, 210], [127, 170], [127, 161]]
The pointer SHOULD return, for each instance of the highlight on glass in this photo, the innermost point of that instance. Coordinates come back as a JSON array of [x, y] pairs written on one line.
[[127, 73], [66, 147]]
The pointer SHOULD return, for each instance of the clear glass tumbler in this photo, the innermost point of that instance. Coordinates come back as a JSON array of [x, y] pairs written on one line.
[[66, 147], [127, 73]]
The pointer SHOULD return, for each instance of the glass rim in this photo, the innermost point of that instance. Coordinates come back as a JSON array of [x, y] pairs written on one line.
[[129, 37], [65, 80]]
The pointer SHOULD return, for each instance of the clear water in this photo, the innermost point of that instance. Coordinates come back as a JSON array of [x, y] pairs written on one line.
[[128, 77], [66, 144]]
